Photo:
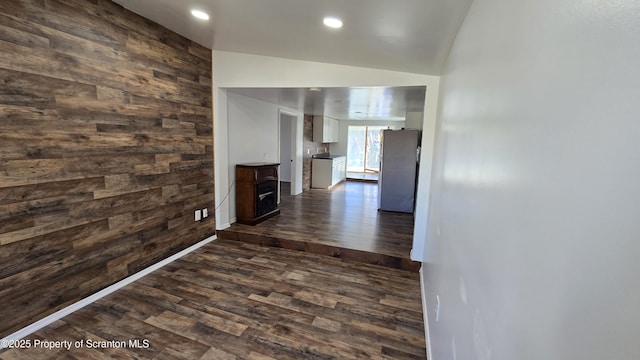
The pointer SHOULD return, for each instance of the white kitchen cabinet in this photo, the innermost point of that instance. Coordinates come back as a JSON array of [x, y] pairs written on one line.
[[338, 170], [326, 173], [325, 130]]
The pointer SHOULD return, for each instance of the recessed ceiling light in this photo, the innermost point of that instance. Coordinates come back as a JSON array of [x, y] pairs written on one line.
[[200, 14], [317, 89], [332, 22]]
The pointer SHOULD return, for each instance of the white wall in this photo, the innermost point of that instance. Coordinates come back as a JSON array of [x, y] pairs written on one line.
[[340, 148], [266, 71], [414, 120], [536, 184], [285, 146], [254, 130], [235, 70]]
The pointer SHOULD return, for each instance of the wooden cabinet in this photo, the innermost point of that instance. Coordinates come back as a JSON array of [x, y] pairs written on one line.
[[256, 192], [326, 173], [325, 130]]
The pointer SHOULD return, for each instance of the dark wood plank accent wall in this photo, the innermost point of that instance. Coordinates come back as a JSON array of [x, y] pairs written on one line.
[[310, 148], [106, 150]]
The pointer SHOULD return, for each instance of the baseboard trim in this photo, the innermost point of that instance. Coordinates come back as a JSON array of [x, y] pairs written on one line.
[[30, 329], [424, 313], [223, 227]]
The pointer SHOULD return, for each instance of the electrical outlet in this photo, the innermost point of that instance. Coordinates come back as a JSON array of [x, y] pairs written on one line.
[[198, 215], [205, 212]]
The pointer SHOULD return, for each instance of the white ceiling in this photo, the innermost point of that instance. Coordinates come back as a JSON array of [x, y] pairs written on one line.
[[404, 35], [355, 103]]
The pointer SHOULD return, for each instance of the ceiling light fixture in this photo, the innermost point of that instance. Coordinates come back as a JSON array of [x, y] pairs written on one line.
[[332, 22], [200, 14], [317, 89]]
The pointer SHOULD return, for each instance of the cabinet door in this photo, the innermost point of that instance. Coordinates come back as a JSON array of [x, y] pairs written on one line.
[[326, 130], [335, 173], [321, 173], [318, 129], [336, 131], [343, 169]]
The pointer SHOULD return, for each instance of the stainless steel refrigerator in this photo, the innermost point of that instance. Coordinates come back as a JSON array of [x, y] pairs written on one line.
[[398, 170]]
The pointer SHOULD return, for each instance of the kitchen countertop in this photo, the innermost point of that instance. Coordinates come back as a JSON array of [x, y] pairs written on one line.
[[326, 156]]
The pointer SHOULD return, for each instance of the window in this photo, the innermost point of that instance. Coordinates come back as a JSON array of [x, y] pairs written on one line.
[[363, 148]]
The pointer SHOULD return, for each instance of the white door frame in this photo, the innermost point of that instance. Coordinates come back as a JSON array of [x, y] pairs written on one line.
[[292, 176]]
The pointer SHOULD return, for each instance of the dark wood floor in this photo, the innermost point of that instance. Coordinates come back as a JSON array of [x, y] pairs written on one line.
[[230, 300], [342, 222]]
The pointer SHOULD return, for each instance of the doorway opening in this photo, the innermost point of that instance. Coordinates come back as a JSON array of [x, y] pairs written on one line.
[[287, 152]]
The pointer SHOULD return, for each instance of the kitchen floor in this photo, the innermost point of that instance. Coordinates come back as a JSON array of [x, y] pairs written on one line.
[[342, 222]]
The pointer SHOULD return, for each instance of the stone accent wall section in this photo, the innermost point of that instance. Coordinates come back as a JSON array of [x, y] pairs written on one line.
[[310, 148], [106, 150]]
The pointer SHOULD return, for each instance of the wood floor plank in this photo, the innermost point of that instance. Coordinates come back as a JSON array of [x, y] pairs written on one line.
[[257, 356], [326, 324], [325, 349], [217, 322], [400, 302], [172, 322], [217, 354]]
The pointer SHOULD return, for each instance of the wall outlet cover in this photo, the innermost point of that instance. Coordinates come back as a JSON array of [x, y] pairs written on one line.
[[205, 212], [198, 215]]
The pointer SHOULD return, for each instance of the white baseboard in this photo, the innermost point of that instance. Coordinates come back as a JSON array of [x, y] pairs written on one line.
[[424, 314], [28, 330], [223, 226]]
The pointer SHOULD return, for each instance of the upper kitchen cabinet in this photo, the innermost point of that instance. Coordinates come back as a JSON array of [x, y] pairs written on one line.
[[325, 130]]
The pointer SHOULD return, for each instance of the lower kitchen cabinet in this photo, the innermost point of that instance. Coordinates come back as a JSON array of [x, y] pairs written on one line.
[[327, 172]]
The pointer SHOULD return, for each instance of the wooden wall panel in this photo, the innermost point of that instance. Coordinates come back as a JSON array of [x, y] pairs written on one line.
[[310, 148], [106, 150]]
